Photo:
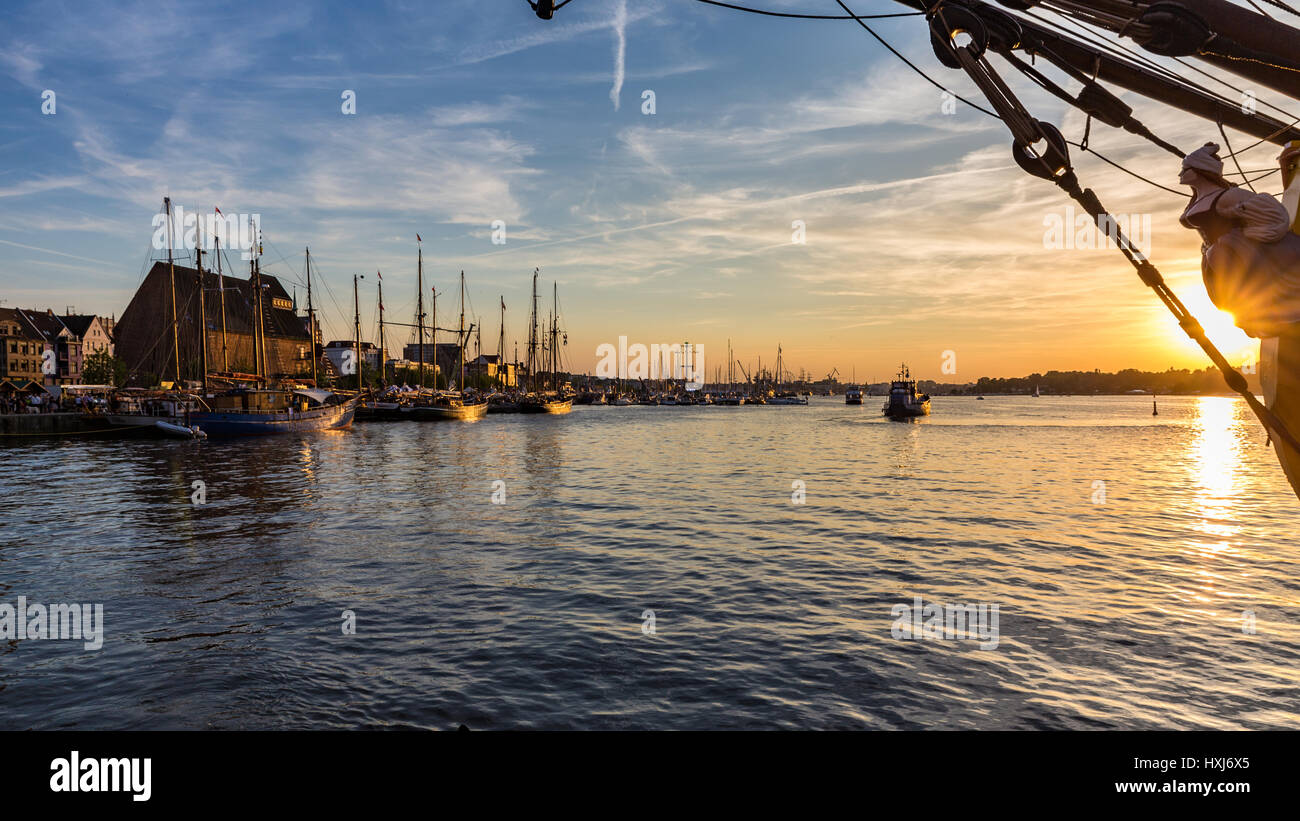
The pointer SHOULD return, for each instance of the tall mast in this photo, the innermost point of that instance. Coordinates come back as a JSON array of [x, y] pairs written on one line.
[[259, 336], [311, 320], [555, 325], [532, 339], [221, 285], [171, 274], [255, 278], [382, 367], [433, 334], [203, 320], [419, 313], [356, 304], [501, 343], [461, 338]]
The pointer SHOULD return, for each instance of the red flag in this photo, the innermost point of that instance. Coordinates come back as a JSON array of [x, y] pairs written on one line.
[[381, 276], [417, 238], [218, 210]]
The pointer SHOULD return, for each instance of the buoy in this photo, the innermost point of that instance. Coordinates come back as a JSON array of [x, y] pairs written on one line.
[[1154, 412]]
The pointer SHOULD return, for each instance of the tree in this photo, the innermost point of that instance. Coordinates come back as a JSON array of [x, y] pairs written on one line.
[[102, 368]]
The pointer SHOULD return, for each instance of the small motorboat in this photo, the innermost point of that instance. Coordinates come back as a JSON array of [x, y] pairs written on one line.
[[180, 431]]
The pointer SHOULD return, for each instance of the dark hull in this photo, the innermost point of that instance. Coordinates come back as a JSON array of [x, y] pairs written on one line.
[[381, 414], [330, 417], [901, 411]]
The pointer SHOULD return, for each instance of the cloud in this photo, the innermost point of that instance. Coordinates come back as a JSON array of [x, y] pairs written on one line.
[[620, 50]]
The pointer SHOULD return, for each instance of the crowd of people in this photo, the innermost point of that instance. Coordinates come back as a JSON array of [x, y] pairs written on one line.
[[43, 402]]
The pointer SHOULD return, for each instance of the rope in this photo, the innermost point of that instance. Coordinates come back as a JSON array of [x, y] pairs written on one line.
[[1068, 181], [1235, 161], [1109, 161], [1131, 124], [910, 64], [812, 16]]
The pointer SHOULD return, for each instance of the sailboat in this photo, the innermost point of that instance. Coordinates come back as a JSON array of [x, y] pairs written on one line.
[[457, 404], [250, 405], [549, 401], [288, 408]]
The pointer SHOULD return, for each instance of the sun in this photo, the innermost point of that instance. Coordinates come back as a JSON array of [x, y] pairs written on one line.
[[1219, 329]]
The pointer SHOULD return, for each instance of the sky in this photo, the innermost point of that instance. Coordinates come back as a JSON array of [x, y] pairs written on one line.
[[922, 241]]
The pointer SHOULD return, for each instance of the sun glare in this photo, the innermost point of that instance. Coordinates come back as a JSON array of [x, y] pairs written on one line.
[[1219, 328]]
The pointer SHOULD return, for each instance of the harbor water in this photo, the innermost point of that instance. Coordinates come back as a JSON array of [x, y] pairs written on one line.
[[667, 567]]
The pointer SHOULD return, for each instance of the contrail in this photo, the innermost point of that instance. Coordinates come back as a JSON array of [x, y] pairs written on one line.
[[620, 49]]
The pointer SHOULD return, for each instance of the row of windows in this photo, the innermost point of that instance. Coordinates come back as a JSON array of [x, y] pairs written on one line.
[[37, 347]]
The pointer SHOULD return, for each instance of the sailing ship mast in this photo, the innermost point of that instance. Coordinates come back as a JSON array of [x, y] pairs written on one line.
[[259, 329], [501, 344], [311, 321], [419, 313], [221, 286], [532, 339], [383, 368], [203, 319], [461, 338], [555, 330], [356, 304], [171, 275]]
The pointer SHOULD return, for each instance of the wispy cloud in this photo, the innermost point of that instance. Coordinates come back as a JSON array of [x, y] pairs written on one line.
[[620, 50]]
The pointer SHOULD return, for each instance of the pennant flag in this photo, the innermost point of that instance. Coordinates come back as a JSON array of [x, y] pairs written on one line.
[[218, 210], [417, 238], [381, 276]]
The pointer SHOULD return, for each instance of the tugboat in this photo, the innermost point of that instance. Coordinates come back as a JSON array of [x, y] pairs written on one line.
[[904, 402], [853, 395]]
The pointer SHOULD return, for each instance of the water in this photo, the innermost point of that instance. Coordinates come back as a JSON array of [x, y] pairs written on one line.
[[1121, 605]]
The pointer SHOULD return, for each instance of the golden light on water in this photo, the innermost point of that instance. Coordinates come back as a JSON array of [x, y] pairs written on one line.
[[1217, 450], [1216, 461]]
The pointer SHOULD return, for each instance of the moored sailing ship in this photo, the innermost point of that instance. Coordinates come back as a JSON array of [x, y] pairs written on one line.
[[551, 401]]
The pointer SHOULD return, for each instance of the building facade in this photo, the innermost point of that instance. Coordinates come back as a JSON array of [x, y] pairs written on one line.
[[21, 348], [92, 331]]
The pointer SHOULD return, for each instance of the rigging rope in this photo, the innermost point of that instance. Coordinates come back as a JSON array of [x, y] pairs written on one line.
[[910, 64], [1053, 164], [1228, 145], [1095, 40], [812, 16]]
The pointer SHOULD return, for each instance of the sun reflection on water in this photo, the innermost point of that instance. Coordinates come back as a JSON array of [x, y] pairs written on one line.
[[1216, 459]]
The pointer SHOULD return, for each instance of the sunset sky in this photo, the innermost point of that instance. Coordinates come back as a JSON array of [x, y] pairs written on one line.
[[921, 234]]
